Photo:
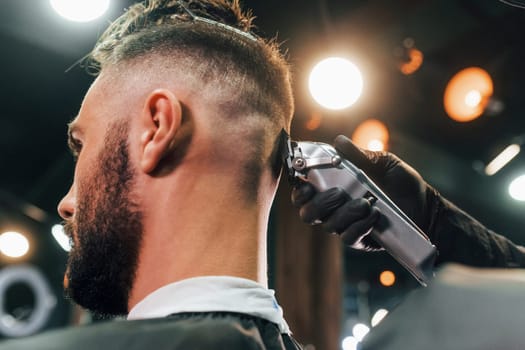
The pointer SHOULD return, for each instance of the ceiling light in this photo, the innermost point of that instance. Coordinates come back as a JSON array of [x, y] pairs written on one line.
[[80, 10], [360, 331], [467, 94], [371, 134], [13, 244], [517, 188], [473, 98], [335, 83], [410, 58], [350, 343], [502, 159], [378, 317], [387, 278]]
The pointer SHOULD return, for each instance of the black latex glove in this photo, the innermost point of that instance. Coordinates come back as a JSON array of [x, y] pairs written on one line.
[[354, 218]]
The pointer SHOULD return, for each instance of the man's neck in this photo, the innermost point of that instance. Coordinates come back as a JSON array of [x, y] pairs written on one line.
[[202, 229]]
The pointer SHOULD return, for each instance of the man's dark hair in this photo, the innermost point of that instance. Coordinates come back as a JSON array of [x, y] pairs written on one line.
[[251, 75]]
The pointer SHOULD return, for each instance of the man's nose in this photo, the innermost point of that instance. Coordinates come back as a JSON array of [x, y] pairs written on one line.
[[66, 207]]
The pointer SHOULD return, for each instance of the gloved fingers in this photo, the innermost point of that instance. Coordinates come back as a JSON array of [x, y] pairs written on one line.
[[302, 193], [349, 213], [322, 205], [375, 164], [354, 154], [355, 232], [384, 168]]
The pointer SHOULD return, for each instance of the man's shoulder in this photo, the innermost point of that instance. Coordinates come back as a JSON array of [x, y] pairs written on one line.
[[107, 334], [191, 332], [463, 308]]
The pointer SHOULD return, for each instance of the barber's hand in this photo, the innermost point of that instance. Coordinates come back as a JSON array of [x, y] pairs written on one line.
[[354, 218], [338, 213]]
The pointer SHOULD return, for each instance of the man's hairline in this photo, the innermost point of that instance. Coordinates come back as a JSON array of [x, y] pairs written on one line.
[[178, 79]]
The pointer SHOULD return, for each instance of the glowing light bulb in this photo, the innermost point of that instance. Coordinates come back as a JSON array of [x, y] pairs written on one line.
[[517, 188], [415, 60], [376, 145], [350, 343], [335, 83], [473, 98], [467, 94], [372, 135], [80, 10], [13, 244], [360, 331], [387, 278], [508, 154], [378, 317]]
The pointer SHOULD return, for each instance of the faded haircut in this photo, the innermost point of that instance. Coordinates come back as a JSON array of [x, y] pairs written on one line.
[[250, 71]]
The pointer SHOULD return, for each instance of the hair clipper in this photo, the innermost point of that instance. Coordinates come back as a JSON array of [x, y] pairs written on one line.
[[320, 165]]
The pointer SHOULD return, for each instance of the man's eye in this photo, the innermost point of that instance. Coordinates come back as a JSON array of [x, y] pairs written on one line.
[[75, 146], [78, 148]]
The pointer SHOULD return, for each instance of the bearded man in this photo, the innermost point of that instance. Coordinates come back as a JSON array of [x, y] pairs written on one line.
[[177, 166]]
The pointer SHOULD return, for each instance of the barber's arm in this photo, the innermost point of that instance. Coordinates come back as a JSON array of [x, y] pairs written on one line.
[[458, 237]]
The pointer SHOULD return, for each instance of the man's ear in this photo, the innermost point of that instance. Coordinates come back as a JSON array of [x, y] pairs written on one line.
[[161, 120]]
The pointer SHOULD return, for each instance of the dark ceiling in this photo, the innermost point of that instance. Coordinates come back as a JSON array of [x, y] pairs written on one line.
[[39, 95]]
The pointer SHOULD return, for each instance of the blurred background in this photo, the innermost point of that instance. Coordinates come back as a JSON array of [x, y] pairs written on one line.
[[439, 83]]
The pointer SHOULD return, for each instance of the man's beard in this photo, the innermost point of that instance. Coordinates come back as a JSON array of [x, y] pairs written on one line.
[[108, 231]]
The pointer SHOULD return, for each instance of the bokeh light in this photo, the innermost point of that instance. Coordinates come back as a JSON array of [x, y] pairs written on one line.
[[360, 331], [414, 62], [335, 83], [378, 317], [502, 159], [80, 10], [467, 94], [13, 244], [387, 278], [314, 122], [517, 188], [350, 343], [473, 98], [372, 135]]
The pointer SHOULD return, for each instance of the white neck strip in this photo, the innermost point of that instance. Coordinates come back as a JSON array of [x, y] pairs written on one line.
[[212, 294]]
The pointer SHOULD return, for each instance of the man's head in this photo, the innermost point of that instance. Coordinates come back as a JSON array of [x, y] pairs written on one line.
[[243, 79], [174, 89]]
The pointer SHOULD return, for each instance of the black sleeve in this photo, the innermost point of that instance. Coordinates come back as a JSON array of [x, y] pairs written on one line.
[[461, 238]]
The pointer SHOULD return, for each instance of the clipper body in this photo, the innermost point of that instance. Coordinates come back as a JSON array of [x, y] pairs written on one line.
[[320, 165]]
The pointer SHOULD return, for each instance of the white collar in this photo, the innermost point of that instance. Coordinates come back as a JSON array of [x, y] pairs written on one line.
[[209, 294]]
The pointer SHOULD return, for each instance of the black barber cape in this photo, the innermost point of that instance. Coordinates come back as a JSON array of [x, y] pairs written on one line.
[[462, 309], [186, 331]]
